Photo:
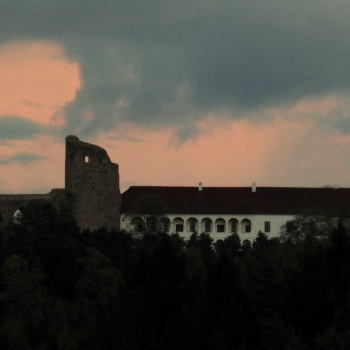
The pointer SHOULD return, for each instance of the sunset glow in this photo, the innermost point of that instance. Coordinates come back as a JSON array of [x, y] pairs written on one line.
[[175, 101]]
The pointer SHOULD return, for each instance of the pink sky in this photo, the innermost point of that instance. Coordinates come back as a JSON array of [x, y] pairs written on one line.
[[293, 147]]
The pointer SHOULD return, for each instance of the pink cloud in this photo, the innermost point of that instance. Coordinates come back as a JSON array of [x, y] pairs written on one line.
[[235, 153], [292, 149], [37, 176], [36, 80], [230, 153]]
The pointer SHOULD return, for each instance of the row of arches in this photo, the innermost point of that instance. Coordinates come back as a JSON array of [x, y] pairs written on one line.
[[192, 224], [208, 225]]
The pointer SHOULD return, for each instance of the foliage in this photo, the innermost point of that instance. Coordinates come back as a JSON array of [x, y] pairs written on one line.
[[147, 211], [61, 289], [297, 230]]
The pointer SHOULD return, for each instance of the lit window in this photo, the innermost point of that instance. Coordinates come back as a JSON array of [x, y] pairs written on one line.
[[86, 159], [267, 226]]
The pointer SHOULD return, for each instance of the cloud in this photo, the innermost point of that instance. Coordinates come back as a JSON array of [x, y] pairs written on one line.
[[184, 134], [18, 128], [21, 158], [159, 63]]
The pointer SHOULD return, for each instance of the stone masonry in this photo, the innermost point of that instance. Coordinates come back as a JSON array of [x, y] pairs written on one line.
[[92, 180], [91, 188]]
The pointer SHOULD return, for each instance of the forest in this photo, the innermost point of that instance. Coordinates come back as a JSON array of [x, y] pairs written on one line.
[[63, 289]]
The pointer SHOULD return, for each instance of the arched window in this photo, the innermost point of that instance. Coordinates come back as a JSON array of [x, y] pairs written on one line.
[[178, 224], [246, 226], [220, 225], [207, 225], [192, 225], [233, 225], [138, 224]]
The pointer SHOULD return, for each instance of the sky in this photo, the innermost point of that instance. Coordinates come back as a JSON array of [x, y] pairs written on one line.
[[223, 92]]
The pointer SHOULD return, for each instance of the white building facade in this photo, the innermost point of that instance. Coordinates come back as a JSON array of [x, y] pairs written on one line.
[[218, 226], [222, 211]]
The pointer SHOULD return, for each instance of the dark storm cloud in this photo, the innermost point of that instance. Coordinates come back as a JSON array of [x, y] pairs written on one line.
[[18, 128], [164, 62]]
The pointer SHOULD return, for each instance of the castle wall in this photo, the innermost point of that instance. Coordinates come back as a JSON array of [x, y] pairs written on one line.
[[9, 203], [91, 188], [92, 181]]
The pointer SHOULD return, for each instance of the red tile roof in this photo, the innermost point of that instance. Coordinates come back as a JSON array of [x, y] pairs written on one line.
[[241, 200]]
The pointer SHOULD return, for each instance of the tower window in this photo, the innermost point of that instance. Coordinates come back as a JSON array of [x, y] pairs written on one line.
[[86, 159]]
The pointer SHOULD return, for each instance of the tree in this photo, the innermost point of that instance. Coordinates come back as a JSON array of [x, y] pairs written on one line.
[[147, 211], [24, 306], [98, 302], [230, 246], [318, 226], [338, 259]]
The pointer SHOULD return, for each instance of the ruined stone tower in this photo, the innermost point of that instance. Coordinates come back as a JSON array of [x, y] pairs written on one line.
[[92, 182], [91, 189]]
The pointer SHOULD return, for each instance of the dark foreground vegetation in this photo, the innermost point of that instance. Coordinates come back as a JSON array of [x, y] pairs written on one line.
[[60, 289]]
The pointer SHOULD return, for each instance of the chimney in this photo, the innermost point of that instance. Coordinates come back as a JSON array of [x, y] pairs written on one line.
[[200, 187], [253, 187]]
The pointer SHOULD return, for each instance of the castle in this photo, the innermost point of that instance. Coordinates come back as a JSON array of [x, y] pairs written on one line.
[[222, 211], [93, 196], [91, 188]]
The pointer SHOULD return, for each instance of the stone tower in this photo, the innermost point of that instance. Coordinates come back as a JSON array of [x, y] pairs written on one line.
[[92, 181]]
